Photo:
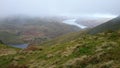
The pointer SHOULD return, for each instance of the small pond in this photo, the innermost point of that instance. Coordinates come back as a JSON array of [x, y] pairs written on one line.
[[23, 46]]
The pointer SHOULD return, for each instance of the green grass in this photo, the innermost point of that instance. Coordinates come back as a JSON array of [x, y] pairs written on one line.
[[64, 52]]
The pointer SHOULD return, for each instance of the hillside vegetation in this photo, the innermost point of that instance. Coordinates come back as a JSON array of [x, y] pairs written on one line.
[[79, 50]]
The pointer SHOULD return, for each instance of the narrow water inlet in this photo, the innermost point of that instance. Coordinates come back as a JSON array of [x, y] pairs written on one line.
[[73, 22]]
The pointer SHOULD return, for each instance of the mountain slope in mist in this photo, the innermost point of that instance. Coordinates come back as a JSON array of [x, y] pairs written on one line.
[[34, 29], [91, 22], [111, 25]]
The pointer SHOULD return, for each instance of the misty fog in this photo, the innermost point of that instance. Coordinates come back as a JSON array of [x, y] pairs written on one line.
[[60, 7]]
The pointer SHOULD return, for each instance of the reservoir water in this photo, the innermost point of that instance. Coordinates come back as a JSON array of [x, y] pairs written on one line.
[[73, 22], [23, 46]]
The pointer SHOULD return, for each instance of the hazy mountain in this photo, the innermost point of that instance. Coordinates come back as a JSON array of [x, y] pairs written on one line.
[[91, 22], [111, 25], [33, 29]]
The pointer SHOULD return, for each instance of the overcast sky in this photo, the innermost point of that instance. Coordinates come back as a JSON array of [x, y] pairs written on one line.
[[59, 7]]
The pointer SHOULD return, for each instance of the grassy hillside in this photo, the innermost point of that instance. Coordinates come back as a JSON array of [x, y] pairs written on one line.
[[111, 25], [6, 55], [71, 51], [10, 38]]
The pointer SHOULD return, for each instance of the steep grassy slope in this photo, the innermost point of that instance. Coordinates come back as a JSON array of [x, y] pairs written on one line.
[[111, 25], [79, 51]]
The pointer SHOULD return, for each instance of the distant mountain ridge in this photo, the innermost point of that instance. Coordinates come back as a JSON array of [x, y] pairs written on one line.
[[112, 25]]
